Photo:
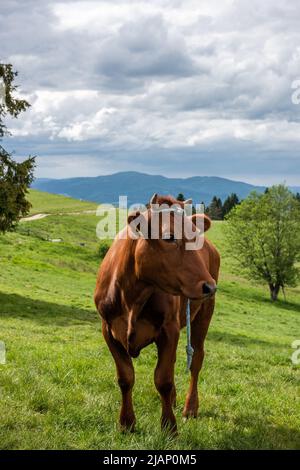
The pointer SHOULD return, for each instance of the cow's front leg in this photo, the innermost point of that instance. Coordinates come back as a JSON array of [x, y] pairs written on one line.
[[199, 330], [125, 373], [164, 374]]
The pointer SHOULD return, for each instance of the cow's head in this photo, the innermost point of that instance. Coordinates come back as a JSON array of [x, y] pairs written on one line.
[[165, 261]]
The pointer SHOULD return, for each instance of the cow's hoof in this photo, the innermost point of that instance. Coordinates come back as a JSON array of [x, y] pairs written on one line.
[[189, 413], [127, 424], [125, 429], [170, 430], [170, 427], [191, 407]]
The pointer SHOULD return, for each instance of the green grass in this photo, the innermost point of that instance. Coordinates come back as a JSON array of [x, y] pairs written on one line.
[[58, 387], [54, 203]]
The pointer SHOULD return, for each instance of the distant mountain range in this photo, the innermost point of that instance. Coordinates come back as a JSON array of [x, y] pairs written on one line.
[[139, 187]]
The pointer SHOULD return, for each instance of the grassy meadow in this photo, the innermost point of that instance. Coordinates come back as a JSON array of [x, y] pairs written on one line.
[[56, 204], [58, 387]]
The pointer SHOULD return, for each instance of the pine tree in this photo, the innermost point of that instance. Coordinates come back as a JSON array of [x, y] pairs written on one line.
[[215, 210], [180, 197], [15, 178], [229, 203]]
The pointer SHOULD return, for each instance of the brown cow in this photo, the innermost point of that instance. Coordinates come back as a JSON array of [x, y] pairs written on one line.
[[141, 294]]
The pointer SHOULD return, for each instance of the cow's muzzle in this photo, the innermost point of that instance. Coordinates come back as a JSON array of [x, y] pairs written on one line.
[[209, 288]]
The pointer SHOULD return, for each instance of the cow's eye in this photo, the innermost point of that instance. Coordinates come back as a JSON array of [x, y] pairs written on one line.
[[169, 237]]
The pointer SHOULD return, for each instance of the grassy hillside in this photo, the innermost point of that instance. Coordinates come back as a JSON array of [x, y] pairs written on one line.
[[54, 203], [58, 387]]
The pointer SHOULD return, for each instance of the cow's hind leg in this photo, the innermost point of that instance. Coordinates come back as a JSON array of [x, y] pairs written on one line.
[[164, 374], [125, 373], [199, 330]]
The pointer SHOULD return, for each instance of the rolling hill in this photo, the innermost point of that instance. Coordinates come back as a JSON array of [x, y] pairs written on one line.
[[55, 204], [140, 186], [58, 385]]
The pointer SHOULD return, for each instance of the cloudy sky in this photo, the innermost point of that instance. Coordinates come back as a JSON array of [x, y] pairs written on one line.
[[180, 88]]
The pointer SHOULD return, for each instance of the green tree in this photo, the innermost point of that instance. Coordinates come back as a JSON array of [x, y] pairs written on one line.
[[15, 178], [180, 197], [297, 197], [215, 209], [229, 203], [263, 235]]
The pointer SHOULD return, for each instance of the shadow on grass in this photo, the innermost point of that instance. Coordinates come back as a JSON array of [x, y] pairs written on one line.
[[240, 340], [45, 313], [248, 431], [238, 292], [286, 305], [253, 432]]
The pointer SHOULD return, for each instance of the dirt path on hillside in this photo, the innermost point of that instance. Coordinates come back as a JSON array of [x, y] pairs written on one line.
[[34, 217], [42, 216]]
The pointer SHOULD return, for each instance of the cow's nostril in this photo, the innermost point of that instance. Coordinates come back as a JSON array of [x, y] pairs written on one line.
[[209, 288]]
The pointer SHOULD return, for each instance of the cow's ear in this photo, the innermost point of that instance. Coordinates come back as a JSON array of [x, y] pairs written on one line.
[[188, 201], [200, 217], [138, 224], [153, 199]]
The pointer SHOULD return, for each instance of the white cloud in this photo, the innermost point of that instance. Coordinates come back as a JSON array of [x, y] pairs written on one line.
[[158, 77], [96, 126]]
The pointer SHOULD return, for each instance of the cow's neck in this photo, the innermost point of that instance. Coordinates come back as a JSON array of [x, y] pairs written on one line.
[[135, 292]]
